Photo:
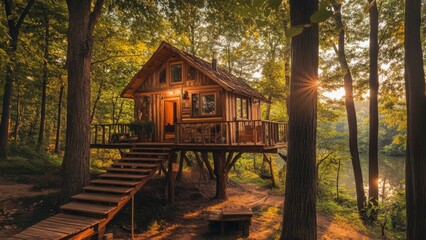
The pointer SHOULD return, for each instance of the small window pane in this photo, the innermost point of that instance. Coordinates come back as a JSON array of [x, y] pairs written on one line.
[[191, 73], [239, 107], [208, 104], [163, 76], [195, 105], [244, 108], [176, 72]]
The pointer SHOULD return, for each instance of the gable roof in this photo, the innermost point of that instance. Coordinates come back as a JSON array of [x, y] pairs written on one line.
[[222, 77]]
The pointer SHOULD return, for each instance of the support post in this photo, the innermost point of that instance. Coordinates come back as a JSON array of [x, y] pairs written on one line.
[[171, 177], [182, 157], [221, 175]]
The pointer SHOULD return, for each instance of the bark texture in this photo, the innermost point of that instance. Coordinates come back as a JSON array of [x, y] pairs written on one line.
[[77, 147], [373, 163], [416, 132], [221, 175], [300, 196], [350, 110]]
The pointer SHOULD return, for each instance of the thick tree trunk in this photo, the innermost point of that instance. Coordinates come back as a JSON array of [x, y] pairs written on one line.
[[416, 132], [59, 118], [373, 163], [350, 112], [220, 172], [76, 162], [300, 195], [44, 85]]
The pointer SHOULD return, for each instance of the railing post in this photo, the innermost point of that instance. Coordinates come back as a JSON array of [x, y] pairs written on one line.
[[96, 134]]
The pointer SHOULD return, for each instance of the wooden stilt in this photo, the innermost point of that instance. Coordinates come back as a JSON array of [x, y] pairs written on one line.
[[221, 174], [182, 157], [269, 161], [205, 157], [200, 165]]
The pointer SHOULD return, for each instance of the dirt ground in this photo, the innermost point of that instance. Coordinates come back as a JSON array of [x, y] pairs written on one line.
[[19, 203]]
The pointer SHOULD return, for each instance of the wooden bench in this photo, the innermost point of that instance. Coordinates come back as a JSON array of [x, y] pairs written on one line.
[[239, 215]]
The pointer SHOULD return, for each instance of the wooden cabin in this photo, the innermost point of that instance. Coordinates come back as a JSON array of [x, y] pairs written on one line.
[[194, 102]]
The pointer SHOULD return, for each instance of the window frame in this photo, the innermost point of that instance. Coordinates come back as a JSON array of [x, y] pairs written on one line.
[[181, 72], [239, 114], [200, 104]]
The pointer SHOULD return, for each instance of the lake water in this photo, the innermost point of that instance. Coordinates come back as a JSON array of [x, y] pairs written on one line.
[[391, 174]]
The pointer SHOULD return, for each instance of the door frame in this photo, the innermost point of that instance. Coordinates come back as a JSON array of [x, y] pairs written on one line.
[[163, 117]]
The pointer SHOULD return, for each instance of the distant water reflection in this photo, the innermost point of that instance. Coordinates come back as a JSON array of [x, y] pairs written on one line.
[[391, 174]]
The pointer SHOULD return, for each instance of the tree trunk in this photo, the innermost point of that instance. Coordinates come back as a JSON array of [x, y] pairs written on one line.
[[268, 108], [44, 86], [95, 104], [350, 111], [221, 176], [18, 117], [59, 118], [337, 179], [416, 131], [76, 163], [300, 195], [373, 164]]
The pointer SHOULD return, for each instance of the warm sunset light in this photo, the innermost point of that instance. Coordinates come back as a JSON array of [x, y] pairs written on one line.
[[198, 119]]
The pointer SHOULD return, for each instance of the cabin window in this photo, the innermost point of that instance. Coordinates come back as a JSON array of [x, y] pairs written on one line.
[[163, 76], [242, 108], [191, 73], [195, 105], [208, 104], [176, 72], [203, 104]]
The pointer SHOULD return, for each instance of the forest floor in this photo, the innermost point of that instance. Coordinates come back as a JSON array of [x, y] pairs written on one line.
[[21, 206]]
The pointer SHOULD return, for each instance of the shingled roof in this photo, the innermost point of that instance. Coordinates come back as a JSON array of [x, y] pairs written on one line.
[[225, 79]]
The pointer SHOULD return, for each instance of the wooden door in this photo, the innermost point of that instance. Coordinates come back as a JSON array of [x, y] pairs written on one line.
[[170, 117]]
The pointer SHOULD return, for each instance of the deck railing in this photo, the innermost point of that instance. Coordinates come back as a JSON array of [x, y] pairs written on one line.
[[238, 132], [105, 133]]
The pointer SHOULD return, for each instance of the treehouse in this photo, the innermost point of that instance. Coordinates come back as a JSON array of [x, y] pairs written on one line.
[[192, 103]]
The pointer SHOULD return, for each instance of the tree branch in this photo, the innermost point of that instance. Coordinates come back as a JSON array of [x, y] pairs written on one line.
[[94, 16], [24, 14], [10, 21]]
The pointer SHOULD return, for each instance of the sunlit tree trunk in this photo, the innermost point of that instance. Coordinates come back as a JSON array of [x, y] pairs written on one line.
[[350, 110], [77, 147], [59, 119], [416, 127], [300, 196], [373, 163]]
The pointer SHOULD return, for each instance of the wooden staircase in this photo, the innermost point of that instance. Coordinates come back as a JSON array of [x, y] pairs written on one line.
[[90, 211]]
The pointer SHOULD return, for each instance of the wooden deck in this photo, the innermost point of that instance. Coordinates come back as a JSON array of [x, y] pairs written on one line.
[[91, 210]]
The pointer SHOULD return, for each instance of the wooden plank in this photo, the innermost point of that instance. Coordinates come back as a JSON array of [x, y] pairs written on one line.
[[99, 197], [141, 165], [130, 170], [54, 227], [114, 182], [122, 190], [119, 175], [75, 218], [145, 159], [147, 153], [33, 233], [88, 208], [140, 148]]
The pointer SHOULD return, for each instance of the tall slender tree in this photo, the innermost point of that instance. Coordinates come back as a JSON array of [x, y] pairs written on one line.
[[416, 132], [45, 76], [75, 166], [300, 196], [350, 108], [14, 30], [373, 163]]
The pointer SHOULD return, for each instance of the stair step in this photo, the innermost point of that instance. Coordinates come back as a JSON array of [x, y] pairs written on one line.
[[99, 197], [141, 165], [122, 190], [87, 208], [147, 159], [129, 170], [146, 153], [143, 149], [122, 175], [115, 182]]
